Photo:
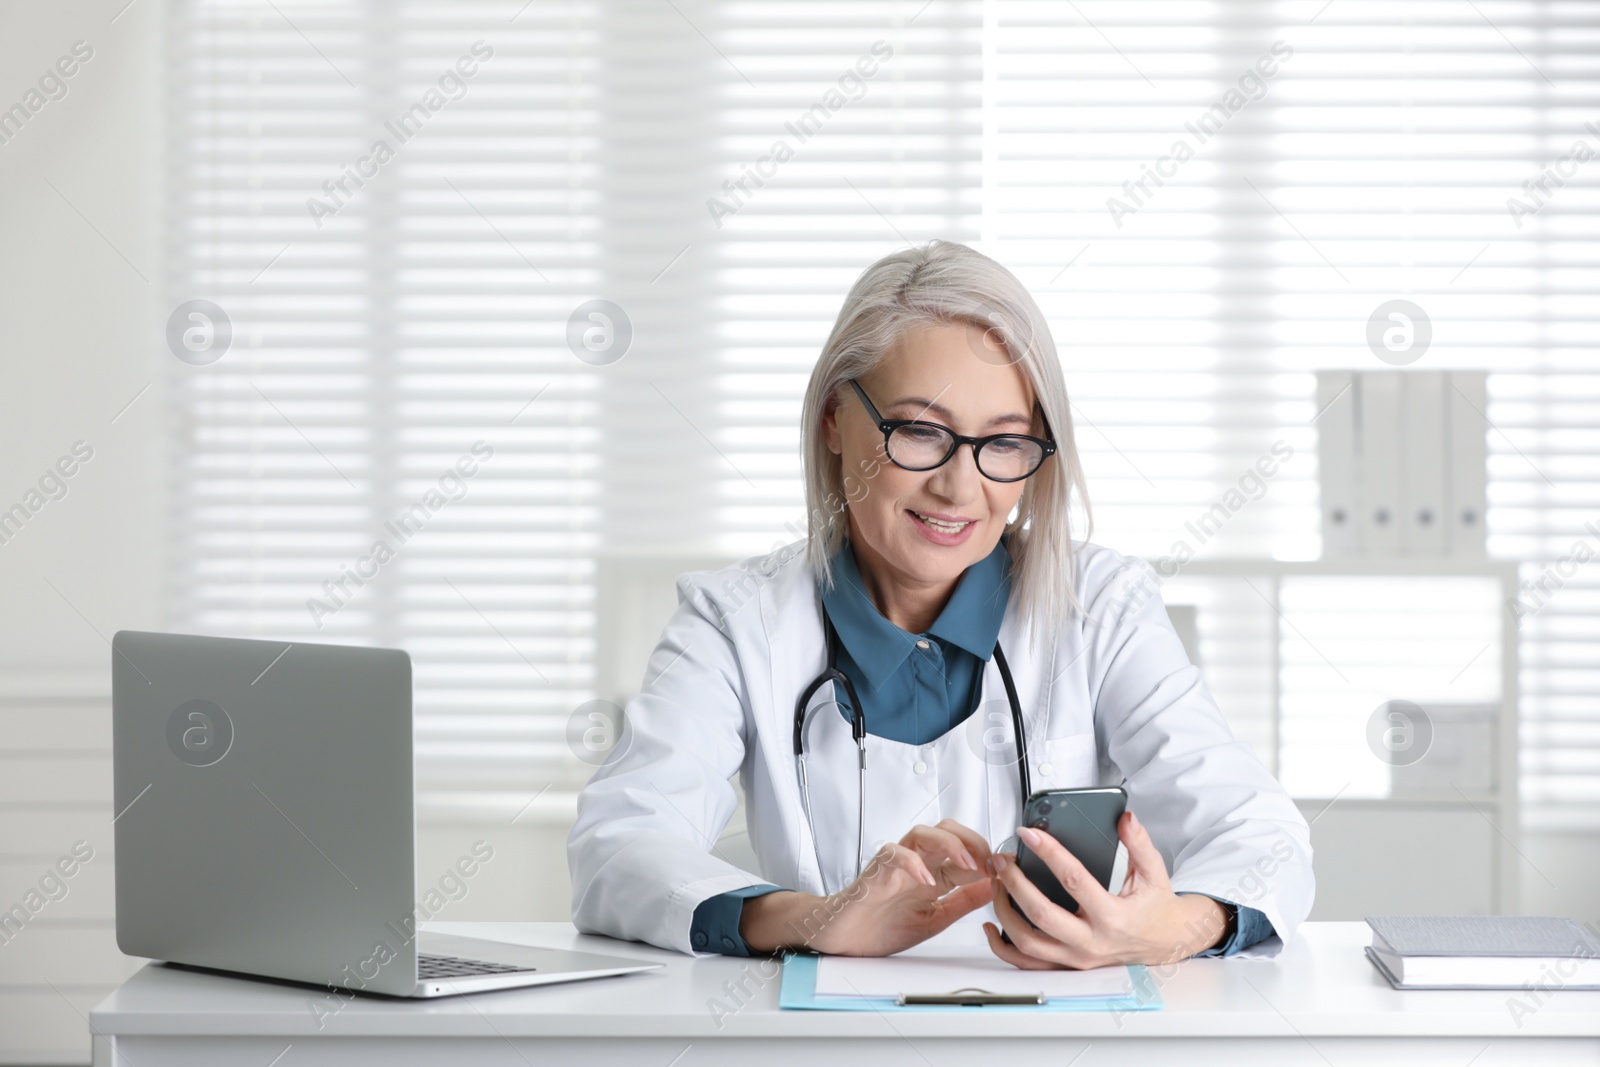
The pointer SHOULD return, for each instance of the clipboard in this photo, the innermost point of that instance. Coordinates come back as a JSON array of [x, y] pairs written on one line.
[[798, 991]]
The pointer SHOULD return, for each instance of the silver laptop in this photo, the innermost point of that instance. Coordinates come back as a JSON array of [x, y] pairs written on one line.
[[264, 822]]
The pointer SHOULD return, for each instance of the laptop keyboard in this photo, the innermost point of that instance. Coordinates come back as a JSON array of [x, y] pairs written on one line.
[[433, 965]]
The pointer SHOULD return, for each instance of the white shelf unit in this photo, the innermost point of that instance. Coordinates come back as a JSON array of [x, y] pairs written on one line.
[[1417, 851]]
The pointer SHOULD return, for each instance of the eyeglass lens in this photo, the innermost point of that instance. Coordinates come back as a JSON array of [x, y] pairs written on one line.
[[922, 447]]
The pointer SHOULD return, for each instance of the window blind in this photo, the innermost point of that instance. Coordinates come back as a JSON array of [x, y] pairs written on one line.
[[719, 173], [396, 209], [881, 106], [1211, 200], [395, 312]]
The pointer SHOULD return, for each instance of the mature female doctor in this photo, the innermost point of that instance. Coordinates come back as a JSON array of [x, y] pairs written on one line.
[[888, 686]]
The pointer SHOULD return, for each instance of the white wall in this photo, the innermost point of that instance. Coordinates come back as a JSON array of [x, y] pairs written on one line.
[[78, 340]]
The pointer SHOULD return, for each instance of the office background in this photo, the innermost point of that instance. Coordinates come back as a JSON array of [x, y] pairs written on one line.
[[1212, 202]]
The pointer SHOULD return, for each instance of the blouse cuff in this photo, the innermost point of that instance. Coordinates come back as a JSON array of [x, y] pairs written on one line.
[[716, 920], [1249, 927]]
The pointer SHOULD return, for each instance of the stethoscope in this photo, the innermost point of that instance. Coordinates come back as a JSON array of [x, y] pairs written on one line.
[[858, 731]]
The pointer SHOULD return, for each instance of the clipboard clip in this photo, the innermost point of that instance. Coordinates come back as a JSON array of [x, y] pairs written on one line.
[[968, 997]]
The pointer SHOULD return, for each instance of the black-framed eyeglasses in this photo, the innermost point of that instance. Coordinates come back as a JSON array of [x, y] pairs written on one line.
[[921, 446]]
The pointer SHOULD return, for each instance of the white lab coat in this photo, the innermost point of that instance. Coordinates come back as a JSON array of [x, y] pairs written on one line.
[[1113, 695]]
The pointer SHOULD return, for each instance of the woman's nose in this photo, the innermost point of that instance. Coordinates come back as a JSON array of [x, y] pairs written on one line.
[[958, 479]]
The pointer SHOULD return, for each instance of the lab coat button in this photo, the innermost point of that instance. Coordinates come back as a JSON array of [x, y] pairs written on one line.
[[1045, 768], [919, 766]]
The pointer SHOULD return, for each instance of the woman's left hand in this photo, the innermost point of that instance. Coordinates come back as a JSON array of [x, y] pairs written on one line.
[[1145, 923]]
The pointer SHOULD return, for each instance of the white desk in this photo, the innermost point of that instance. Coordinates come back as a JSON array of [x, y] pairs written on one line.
[[1319, 1003]]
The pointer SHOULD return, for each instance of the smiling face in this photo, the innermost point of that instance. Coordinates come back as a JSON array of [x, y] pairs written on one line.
[[934, 374]]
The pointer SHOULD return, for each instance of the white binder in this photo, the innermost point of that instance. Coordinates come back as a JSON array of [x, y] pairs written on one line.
[[1422, 485], [1380, 462], [1336, 458], [1466, 410]]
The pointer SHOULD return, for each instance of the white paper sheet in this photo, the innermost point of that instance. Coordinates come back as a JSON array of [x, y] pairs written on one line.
[[956, 959]]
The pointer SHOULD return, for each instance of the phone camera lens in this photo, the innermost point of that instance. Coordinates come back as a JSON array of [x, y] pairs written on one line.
[[1044, 807], [1042, 825]]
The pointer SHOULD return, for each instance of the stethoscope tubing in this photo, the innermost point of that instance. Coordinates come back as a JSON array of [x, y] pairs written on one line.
[[858, 733]]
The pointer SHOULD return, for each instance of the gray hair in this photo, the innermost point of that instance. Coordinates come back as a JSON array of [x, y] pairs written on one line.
[[939, 284]]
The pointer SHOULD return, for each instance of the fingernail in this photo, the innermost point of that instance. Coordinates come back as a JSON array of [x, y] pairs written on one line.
[[1029, 834], [966, 860], [1134, 819], [1001, 861]]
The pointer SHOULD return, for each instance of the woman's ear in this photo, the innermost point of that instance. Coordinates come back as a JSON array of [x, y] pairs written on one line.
[[830, 426]]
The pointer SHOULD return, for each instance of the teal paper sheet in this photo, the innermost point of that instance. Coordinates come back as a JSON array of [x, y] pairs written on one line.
[[799, 990]]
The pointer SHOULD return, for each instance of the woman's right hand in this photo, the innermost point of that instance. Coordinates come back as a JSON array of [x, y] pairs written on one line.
[[908, 892]]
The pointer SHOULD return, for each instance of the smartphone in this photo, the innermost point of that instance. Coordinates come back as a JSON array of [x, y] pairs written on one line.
[[1085, 822]]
